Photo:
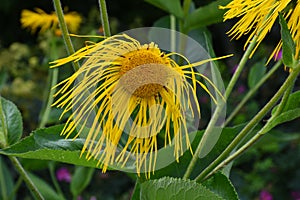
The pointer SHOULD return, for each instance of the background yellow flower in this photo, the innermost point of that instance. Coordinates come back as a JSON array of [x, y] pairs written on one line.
[[44, 21]]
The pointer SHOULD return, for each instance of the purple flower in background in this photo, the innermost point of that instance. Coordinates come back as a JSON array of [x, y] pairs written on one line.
[[295, 195], [241, 89], [278, 55], [63, 174], [265, 195]]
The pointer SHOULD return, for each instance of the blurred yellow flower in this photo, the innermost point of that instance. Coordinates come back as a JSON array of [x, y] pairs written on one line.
[[43, 21], [257, 17], [124, 95]]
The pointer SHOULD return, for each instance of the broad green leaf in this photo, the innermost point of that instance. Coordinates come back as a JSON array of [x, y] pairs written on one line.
[[34, 164], [81, 179], [44, 188], [256, 73], [47, 144], [175, 189], [6, 182], [206, 15], [290, 111], [171, 6], [288, 45], [222, 186], [12, 123]]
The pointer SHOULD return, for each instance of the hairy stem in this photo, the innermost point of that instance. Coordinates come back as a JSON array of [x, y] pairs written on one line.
[[104, 18], [26, 178], [65, 32]]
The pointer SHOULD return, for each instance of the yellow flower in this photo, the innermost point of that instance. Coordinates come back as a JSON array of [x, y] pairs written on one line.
[[44, 21], [257, 17], [126, 94]]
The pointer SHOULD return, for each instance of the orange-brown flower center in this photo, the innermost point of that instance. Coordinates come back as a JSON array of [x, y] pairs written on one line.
[[144, 72]]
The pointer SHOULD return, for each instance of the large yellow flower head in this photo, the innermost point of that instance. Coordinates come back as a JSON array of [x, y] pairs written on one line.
[[44, 21], [257, 17], [127, 95]]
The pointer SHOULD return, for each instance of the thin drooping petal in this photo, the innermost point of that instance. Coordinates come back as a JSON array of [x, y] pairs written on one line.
[[257, 17], [123, 96]]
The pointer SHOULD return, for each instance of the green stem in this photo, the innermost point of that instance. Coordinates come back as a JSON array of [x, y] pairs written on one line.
[[173, 33], [26, 178], [211, 168], [104, 18], [53, 77], [3, 189], [219, 108], [31, 186], [16, 187], [283, 102], [46, 113], [186, 7], [208, 130], [252, 92], [64, 30], [54, 180], [240, 67]]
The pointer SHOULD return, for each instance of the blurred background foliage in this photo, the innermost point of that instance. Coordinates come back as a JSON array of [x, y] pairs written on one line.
[[270, 168]]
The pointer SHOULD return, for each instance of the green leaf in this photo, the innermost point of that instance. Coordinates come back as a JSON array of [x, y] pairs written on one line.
[[288, 45], [222, 186], [257, 71], [136, 191], [290, 111], [293, 102], [47, 144], [171, 6], [81, 179], [44, 188], [13, 124], [206, 15], [6, 182], [284, 117], [3, 79], [175, 189], [163, 22]]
